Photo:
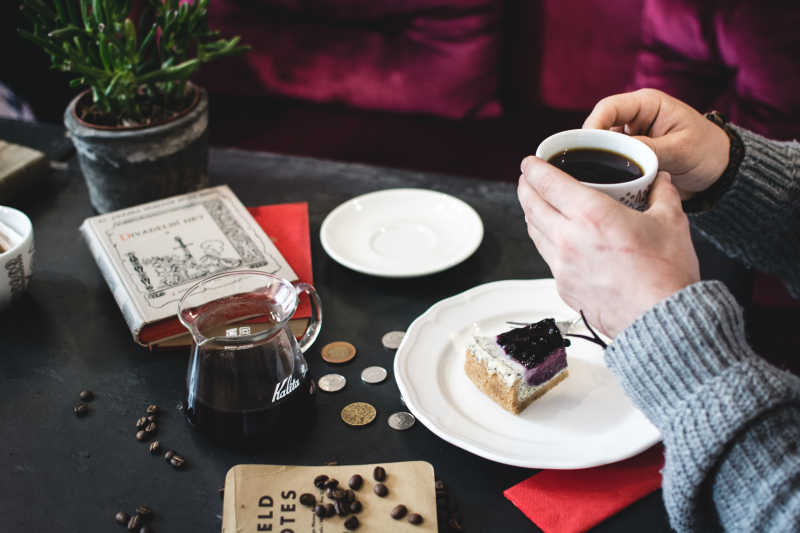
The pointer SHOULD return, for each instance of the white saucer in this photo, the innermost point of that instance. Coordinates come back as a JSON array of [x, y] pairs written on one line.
[[400, 233], [586, 420]]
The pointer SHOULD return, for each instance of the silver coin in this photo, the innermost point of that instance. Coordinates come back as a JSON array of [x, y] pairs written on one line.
[[373, 374], [401, 420], [332, 382], [392, 339]]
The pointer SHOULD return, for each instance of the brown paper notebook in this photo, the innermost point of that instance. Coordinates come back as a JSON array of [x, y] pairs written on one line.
[[265, 498]]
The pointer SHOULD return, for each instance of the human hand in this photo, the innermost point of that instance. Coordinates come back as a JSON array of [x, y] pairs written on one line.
[[610, 261], [690, 147]]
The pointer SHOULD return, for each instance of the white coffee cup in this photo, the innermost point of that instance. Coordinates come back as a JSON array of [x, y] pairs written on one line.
[[632, 193], [16, 259]]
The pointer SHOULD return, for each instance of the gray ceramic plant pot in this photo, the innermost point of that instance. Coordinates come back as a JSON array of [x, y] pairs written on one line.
[[130, 166]]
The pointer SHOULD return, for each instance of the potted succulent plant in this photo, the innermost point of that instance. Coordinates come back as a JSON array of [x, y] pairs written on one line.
[[140, 127]]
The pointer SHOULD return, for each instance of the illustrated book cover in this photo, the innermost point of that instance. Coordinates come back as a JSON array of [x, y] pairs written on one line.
[[151, 254]]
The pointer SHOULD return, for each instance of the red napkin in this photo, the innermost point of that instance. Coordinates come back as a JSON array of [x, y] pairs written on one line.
[[287, 226], [571, 501]]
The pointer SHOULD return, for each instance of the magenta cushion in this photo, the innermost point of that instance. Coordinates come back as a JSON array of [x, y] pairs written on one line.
[[588, 48], [739, 57], [426, 56]]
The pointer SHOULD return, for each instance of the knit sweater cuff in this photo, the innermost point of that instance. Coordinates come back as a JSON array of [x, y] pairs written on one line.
[[754, 220], [671, 351]]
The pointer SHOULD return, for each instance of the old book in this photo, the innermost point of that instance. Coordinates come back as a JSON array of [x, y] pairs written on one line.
[[152, 253], [20, 167]]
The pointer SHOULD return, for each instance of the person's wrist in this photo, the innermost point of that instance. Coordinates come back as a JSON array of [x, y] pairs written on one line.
[[721, 151]]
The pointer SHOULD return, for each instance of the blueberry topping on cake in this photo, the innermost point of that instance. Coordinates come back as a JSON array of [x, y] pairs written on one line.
[[518, 366]]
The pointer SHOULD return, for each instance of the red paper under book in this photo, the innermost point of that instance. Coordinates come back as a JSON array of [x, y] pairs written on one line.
[[572, 501]]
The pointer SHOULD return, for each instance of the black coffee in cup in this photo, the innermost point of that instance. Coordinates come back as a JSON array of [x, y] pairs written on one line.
[[595, 165]]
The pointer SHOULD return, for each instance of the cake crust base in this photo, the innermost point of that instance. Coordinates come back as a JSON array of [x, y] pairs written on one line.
[[503, 395]]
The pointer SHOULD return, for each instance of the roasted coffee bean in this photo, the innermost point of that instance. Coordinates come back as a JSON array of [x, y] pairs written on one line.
[[309, 500], [330, 510], [151, 418], [320, 511], [379, 474], [380, 489], [145, 512], [355, 481], [356, 507], [134, 523], [338, 494], [141, 423], [351, 523], [151, 409], [145, 529], [399, 512], [331, 483], [177, 461], [142, 435], [455, 524], [151, 427], [122, 517], [350, 496], [320, 480], [80, 409], [169, 454], [342, 508], [86, 395], [155, 447], [414, 518]]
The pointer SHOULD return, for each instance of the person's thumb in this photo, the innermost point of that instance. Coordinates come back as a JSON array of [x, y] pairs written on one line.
[[656, 144], [664, 196]]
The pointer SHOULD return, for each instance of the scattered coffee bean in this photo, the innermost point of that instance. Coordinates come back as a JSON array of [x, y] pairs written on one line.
[[330, 510], [455, 524], [86, 395], [80, 409], [145, 512], [151, 409], [122, 517], [309, 500], [177, 461], [355, 481], [356, 507], [134, 523], [320, 510], [350, 496], [351, 523], [414, 518], [141, 423], [151, 427], [342, 508], [331, 483], [155, 447], [380, 489], [142, 435], [169, 454], [145, 529], [151, 418], [379, 473], [399, 512], [338, 494], [320, 480]]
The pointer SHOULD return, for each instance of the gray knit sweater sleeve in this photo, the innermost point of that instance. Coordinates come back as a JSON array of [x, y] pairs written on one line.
[[758, 219], [730, 421]]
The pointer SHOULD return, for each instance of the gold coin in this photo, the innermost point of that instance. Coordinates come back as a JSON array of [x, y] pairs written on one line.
[[338, 352], [358, 414]]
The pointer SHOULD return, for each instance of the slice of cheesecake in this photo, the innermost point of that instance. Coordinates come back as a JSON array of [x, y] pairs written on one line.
[[518, 366]]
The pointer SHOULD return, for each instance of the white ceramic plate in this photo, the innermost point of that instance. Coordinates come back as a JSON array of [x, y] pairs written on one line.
[[586, 420], [401, 233]]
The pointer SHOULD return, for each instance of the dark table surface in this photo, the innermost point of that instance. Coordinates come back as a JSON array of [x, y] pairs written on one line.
[[62, 473]]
